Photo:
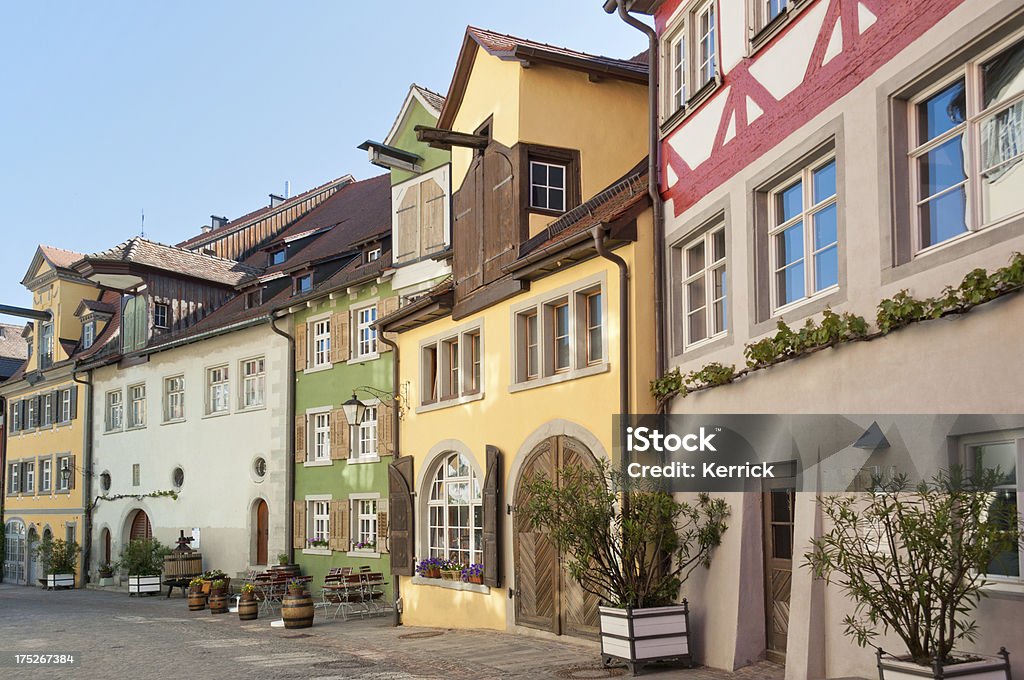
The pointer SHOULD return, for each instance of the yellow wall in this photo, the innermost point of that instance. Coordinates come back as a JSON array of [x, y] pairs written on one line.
[[61, 297]]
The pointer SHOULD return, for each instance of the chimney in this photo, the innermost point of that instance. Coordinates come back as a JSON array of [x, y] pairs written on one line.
[[217, 222], [276, 200]]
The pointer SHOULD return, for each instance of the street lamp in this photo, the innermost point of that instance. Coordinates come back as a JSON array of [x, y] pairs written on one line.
[[65, 473], [354, 410]]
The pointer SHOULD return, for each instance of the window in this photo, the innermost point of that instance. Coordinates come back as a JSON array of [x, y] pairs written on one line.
[[803, 235], [253, 382], [321, 436], [14, 478], [455, 513], [766, 11], [677, 56], [161, 314], [320, 521], [65, 405], [594, 324], [547, 186], [303, 284], [105, 481], [88, 334], [115, 411], [47, 407], [373, 254], [366, 524], [33, 413], [28, 478], [178, 477], [706, 67], [704, 287], [45, 474], [366, 335], [429, 373], [473, 376], [368, 433], [966, 149], [452, 367], [450, 386], [420, 215], [46, 345], [691, 56], [321, 343], [559, 349], [254, 298], [531, 330], [1006, 456], [217, 390], [16, 424], [259, 468], [174, 398], [276, 257], [137, 406], [64, 480], [136, 474], [562, 335]]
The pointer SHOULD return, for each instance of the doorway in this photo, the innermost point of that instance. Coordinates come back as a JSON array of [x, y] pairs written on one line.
[[548, 598], [262, 530], [778, 506], [141, 528]]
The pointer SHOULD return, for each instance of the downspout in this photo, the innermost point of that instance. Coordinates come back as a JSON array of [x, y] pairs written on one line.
[[87, 477], [654, 182], [395, 423], [3, 469], [289, 468]]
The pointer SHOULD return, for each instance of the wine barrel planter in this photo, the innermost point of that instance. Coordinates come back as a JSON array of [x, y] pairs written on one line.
[[196, 601], [219, 602], [297, 610], [248, 610]]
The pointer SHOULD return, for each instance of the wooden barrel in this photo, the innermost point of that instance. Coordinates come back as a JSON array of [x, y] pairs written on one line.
[[248, 610], [297, 610], [182, 565], [196, 601], [218, 602]]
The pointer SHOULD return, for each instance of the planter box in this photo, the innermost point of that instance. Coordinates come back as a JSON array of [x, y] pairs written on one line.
[[987, 668], [107, 581], [638, 636], [60, 581], [143, 584]]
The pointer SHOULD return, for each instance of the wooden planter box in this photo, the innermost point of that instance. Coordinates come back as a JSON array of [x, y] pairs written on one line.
[[988, 668], [143, 584], [54, 581], [639, 636]]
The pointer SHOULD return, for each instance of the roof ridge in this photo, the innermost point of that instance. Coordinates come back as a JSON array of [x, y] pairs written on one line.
[[539, 43]]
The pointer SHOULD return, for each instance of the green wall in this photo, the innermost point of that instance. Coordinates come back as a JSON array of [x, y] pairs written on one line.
[[406, 140]]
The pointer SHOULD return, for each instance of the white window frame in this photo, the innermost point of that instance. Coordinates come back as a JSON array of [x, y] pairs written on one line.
[[364, 341], [136, 474], [65, 405], [366, 442], [47, 408], [685, 70], [808, 211], [707, 274], [256, 380], [364, 524], [29, 476], [88, 334], [319, 512], [320, 342], [174, 398], [32, 414], [319, 446], [16, 424], [136, 414], [165, 308], [707, 59], [437, 516], [14, 477], [373, 254], [46, 474], [218, 390], [63, 484], [548, 186], [114, 410], [439, 346]]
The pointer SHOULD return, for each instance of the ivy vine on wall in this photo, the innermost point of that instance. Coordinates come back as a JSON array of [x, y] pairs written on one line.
[[173, 495], [899, 311]]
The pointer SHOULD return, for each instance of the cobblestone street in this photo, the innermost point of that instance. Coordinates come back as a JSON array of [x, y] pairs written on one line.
[[114, 636]]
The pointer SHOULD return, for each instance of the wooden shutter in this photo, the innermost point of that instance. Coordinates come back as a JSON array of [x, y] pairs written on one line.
[[339, 435], [432, 201], [467, 238], [74, 402], [500, 218], [339, 525], [385, 307], [385, 429], [492, 507], [382, 528], [341, 339], [407, 221], [301, 343], [300, 439], [11, 420], [74, 472], [400, 509], [299, 525]]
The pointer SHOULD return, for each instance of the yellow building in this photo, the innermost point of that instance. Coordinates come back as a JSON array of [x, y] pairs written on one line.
[[516, 364], [45, 477]]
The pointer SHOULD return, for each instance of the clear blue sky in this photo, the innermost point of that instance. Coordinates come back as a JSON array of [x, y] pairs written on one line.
[[185, 109]]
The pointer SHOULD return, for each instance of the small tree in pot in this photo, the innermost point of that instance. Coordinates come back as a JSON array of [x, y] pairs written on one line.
[[631, 545], [143, 559], [914, 561], [59, 559]]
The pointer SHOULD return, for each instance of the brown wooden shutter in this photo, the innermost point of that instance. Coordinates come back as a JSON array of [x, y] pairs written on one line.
[[501, 235], [382, 528], [74, 472], [339, 435], [341, 339], [300, 439], [74, 402], [339, 522], [432, 200], [10, 420], [385, 429], [344, 525], [407, 220], [401, 515], [301, 343], [467, 237], [299, 525], [492, 507]]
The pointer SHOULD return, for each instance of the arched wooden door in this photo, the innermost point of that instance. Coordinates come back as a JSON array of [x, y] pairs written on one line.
[[546, 596], [262, 530], [106, 546], [141, 527]]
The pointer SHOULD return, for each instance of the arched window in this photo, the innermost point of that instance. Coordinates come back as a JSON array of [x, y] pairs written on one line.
[[455, 513]]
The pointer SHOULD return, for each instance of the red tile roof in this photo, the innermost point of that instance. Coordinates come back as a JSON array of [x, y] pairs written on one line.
[[433, 98], [59, 257], [502, 44], [176, 260]]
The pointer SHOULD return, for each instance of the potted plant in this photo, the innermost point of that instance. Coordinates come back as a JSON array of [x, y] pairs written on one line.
[[143, 559], [282, 559], [474, 573], [632, 545], [317, 543], [218, 597], [429, 568], [451, 571], [196, 595], [297, 605], [208, 577], [914, 558], [365, 546], [248, 607], [106, 574], [59, 560]]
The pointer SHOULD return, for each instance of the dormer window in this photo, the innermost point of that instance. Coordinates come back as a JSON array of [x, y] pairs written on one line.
[[303, 284], [276, 257], [46, 345], [547, 186], [161, 313], [254, 298], [373, 254], [88, 334]]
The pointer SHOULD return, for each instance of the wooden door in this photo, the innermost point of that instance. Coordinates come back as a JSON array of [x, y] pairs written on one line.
[[106, 546], [547, 597], [140, 527], [778, 506], [262, 531]]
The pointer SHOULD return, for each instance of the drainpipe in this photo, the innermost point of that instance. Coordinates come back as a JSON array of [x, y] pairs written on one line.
[[395, 423], [3, 468], [87, 477], [654, 181], [289, 468]]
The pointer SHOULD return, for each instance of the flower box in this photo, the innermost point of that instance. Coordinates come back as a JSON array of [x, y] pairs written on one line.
[[978, 668], [143, 584], [60, 581], [638, 636]]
